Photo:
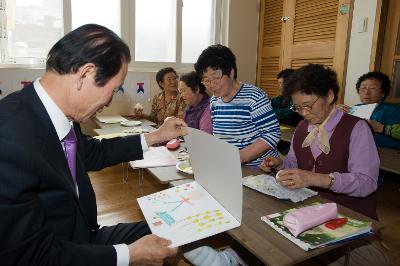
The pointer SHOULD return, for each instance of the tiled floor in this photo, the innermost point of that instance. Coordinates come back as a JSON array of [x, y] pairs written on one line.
[[116, 202]]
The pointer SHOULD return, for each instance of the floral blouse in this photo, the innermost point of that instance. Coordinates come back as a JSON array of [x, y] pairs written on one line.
[[161, 110]]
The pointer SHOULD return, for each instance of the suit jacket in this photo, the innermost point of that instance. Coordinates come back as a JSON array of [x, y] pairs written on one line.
[[42, 220]]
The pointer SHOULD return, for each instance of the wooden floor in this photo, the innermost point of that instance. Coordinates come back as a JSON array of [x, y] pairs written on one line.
[[116, 202]]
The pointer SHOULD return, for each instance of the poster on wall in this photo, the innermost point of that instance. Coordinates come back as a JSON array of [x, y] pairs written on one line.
[[137, 86]]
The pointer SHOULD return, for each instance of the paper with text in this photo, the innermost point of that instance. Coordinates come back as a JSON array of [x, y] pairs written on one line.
[[155, 157], [363, 111]]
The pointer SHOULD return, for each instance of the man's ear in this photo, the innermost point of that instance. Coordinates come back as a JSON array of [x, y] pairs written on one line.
[[88, 69]]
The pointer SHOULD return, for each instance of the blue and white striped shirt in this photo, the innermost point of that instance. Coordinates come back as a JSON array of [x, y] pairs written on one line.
[[246, 118]]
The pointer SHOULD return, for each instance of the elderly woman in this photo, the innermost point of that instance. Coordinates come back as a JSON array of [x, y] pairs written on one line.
[[166, 103], [197, 113], [331, 152], [374, 87], [241, 113]]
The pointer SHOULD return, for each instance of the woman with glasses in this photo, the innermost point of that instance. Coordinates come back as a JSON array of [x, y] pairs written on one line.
[[374, 87], [331, 152], [241, 113], [166, 103], [197, 113]]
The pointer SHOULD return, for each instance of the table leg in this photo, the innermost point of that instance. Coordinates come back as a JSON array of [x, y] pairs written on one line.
[[125, 172]]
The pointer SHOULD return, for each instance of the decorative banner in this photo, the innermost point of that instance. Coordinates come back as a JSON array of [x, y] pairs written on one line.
[[137, 87]]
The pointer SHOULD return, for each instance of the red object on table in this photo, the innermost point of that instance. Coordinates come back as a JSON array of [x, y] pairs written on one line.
[[335, 223], [173, 144]]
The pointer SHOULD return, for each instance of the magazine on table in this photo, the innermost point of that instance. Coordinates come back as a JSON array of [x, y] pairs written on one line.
[[320, 235]]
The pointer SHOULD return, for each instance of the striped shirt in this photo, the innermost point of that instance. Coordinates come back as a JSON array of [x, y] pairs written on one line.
[[246, 118]]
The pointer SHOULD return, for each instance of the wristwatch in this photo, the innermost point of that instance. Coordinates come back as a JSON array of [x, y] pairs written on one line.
[[332, 180]]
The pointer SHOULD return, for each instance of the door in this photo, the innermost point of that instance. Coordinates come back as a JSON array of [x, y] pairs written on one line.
[[269, 45], [312, 31], [390, 64]]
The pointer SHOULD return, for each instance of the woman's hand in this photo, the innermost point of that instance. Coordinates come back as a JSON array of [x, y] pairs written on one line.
[[270, 163], [297, 178], [376, 126]]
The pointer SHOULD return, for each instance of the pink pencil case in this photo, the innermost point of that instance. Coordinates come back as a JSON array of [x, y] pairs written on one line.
[[308, 217]]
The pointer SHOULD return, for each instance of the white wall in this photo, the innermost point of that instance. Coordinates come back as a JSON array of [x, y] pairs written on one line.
[[359, 48], [243, 37]]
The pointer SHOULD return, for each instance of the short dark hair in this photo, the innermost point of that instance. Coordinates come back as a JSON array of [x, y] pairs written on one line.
[[379, 76], [312, 79], [162, 72], [193, 81], [285, 73], [216, 57], [89, 43]]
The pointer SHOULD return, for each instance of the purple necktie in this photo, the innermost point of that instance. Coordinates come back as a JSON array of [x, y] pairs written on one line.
[[70, 152]]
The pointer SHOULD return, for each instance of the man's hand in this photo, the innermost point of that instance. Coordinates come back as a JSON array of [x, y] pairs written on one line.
[[171, 128], [150, 250]]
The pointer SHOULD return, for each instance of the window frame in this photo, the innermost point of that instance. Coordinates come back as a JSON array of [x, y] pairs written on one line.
[[220, 34]]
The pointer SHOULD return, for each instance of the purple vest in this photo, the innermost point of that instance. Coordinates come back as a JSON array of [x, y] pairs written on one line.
[[335, 161], [193, 113]]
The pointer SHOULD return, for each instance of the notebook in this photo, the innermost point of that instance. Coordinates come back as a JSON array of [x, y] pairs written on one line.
[[320, 235]]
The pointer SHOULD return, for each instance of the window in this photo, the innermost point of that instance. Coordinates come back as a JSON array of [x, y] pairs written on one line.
[[197, 28], [29, 29], [82, 12], [159, 32], [155, 30]]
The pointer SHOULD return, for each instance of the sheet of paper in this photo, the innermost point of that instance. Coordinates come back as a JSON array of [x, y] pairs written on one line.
[[155, 157], [267, 184], [110, 119], [216, 166], [112, 135], [363, 111], [185, 213]]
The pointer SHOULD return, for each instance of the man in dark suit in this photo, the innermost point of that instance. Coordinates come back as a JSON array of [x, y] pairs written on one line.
[[47, 204]]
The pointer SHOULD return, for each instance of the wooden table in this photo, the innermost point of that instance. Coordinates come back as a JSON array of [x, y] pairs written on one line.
[[390, 158], [262, 240]]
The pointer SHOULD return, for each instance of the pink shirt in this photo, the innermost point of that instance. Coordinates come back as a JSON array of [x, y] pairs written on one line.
[[363, 163], [205, 123]]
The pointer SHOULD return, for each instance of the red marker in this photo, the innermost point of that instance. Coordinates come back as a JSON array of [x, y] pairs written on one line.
[[335, 223]]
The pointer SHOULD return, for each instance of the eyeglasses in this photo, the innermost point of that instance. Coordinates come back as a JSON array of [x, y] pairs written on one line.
[[211, 81], [308, 108]]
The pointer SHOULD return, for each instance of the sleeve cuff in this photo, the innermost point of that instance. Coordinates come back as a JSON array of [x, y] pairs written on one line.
[[145, 147], [122, 254]]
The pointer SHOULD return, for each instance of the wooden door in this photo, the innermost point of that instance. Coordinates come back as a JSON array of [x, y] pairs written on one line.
[[390, 64], [269, 46], [314, 32]]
